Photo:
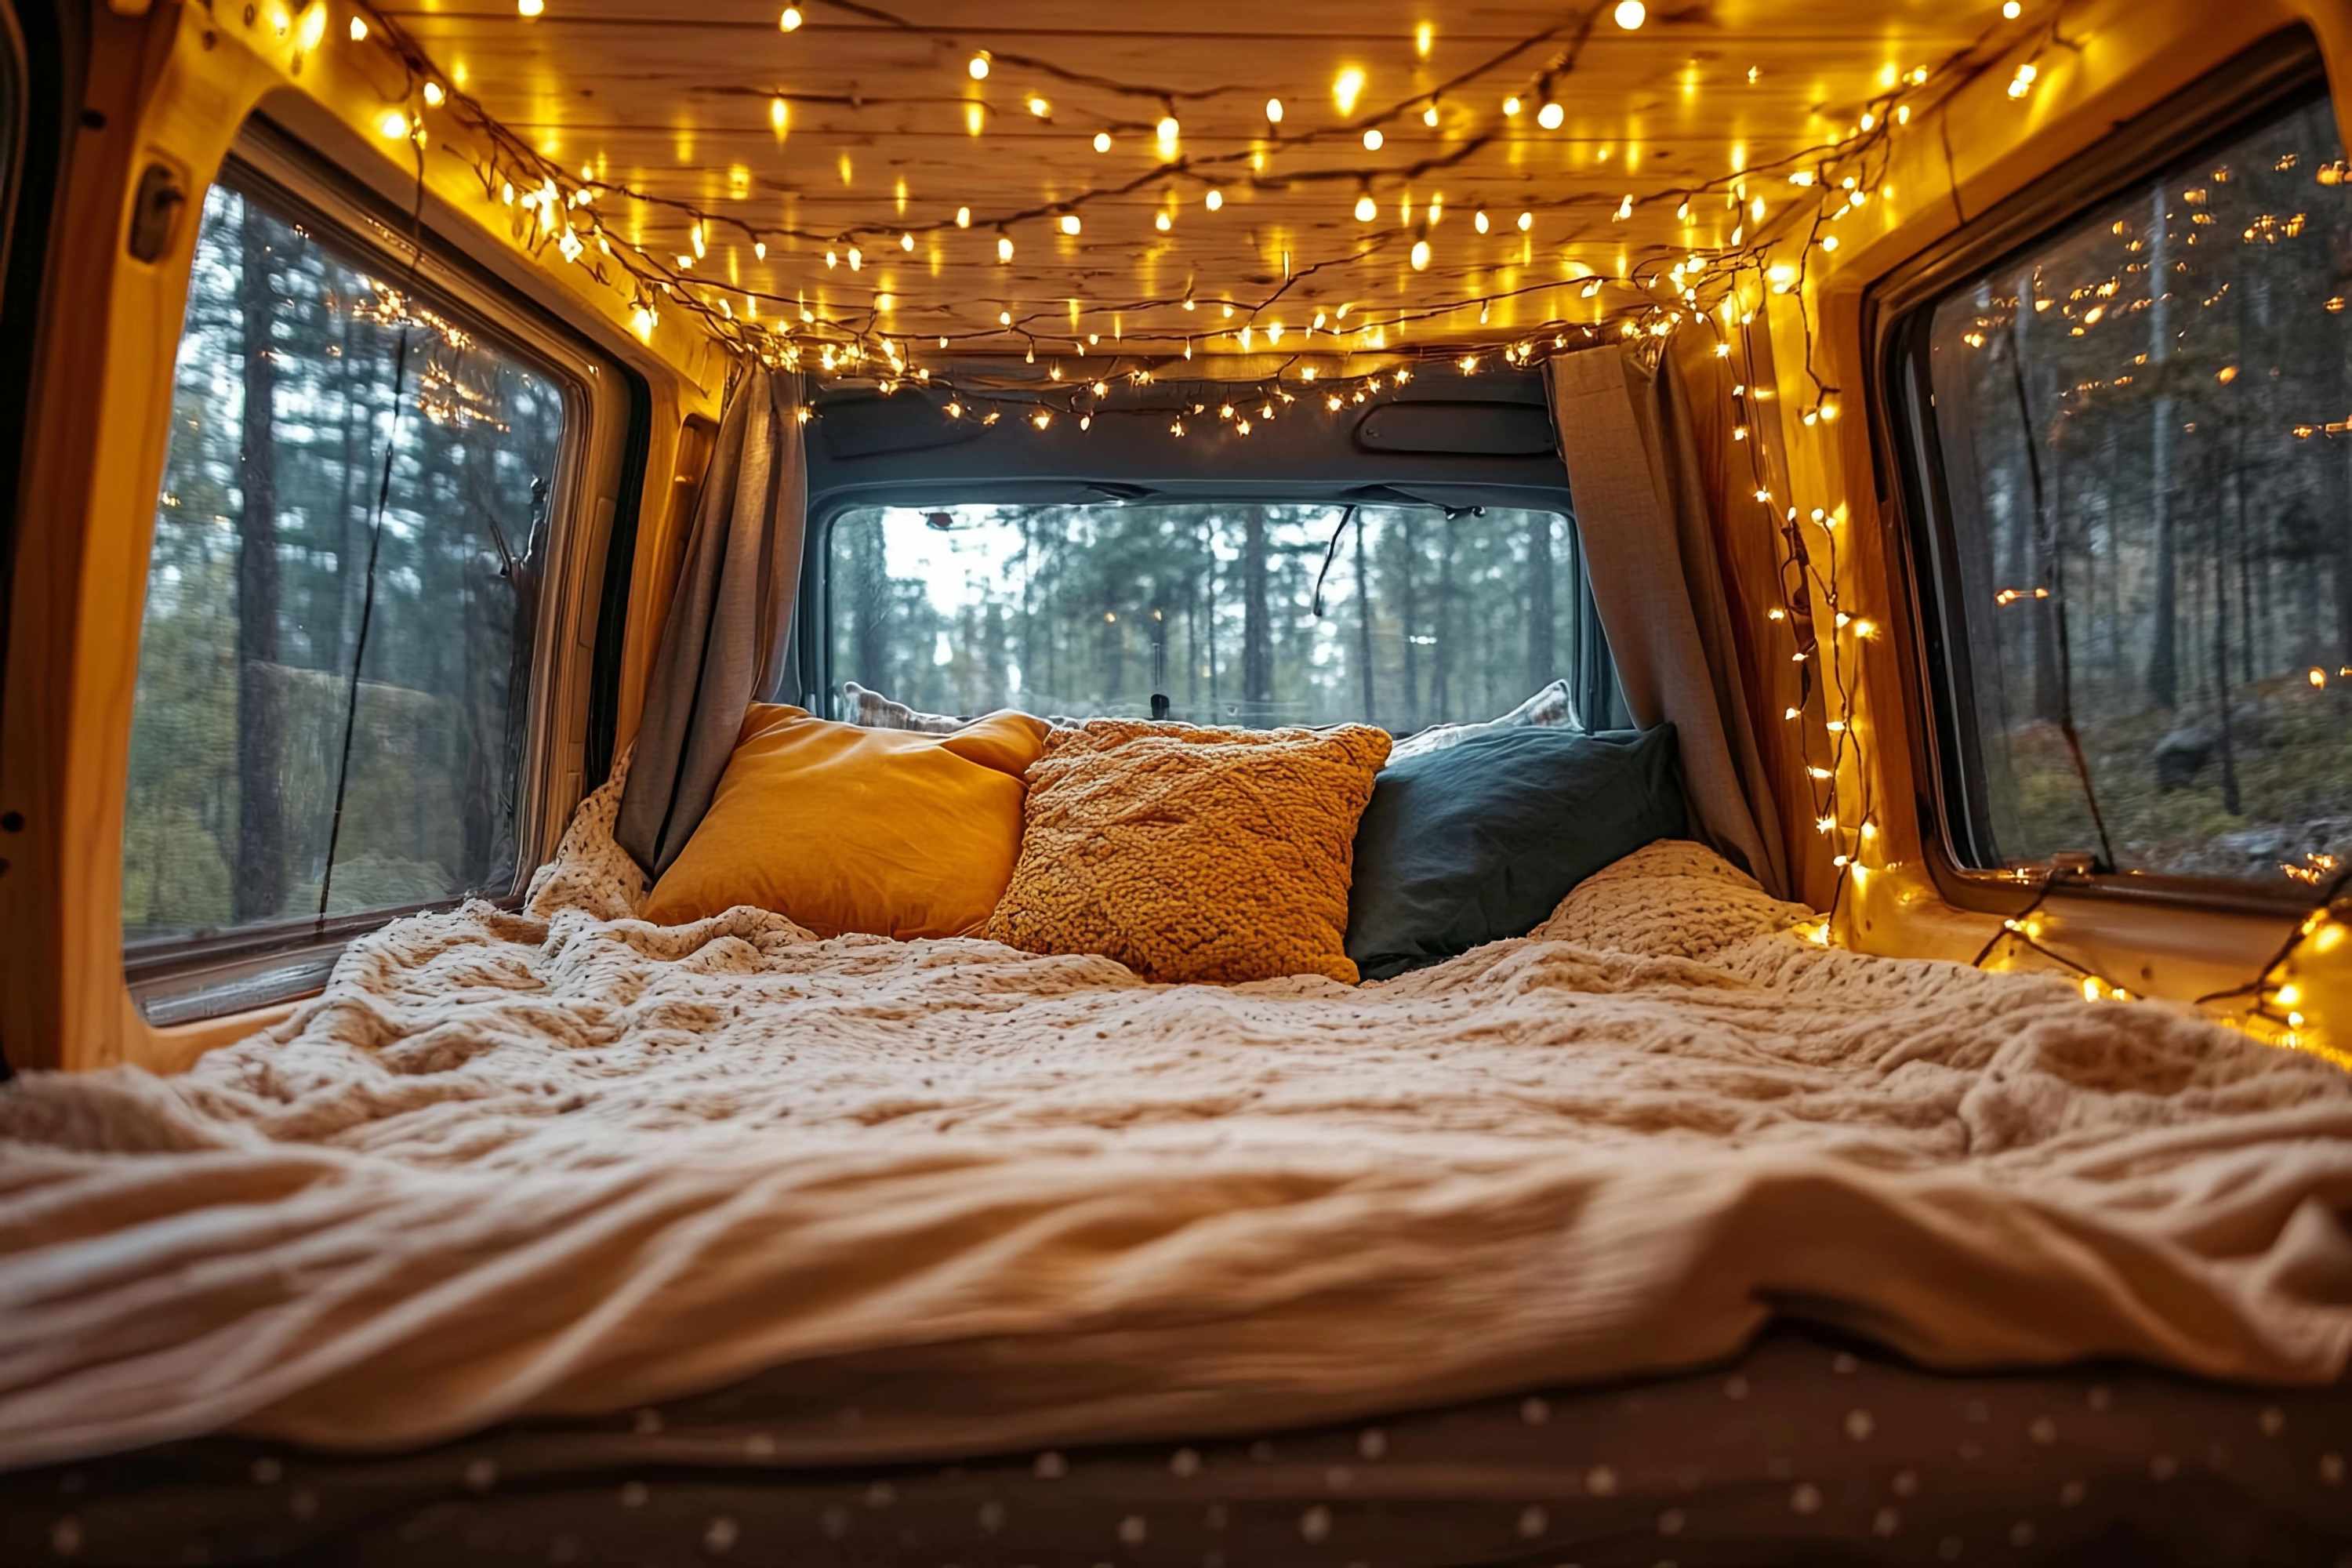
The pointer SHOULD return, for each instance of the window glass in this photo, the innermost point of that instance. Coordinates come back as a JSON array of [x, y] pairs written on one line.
[[300, 358], [2146, 431], [1090, 610]]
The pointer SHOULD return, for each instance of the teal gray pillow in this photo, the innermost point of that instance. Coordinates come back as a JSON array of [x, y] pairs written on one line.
[[1482, 840]]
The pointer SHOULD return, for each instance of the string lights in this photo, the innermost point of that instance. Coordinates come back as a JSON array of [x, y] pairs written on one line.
[[1338, 349]]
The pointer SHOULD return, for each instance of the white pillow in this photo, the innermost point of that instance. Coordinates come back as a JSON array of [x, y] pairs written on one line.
[[1551, 708]]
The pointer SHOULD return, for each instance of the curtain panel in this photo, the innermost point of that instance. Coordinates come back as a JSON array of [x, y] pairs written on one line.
[[1645, 519], [727, 640]]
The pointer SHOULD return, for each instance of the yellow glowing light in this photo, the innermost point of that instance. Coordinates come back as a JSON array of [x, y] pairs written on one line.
[[2011, 10], [1003, 247], [1511, 104], [1423, 38], [1420, 255], [1429, 115], [1372, 140], [359, 29], [1274, 110], [1163, 223], [2289, 995], [1631, 14], [1070, 223], [780, 114], [312, 28], [531, 7], [1167, 131], [394, 124], [1102, 141], [1550, 116], [790, 19], [1527, 222], [1215, 199], [1366, 208], [977, 65], [1478, 220], [1347, 87], [1039, 107], [886, 302], [434, 95]]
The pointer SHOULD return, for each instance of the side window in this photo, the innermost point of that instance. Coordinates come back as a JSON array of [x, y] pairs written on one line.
[[2137, 446], [334, 666]]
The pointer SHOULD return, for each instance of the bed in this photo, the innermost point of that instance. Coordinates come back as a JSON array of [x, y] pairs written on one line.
[[557, 1202]]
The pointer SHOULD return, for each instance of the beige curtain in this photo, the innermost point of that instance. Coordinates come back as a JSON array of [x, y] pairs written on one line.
[[1642, 514], [725, 644]]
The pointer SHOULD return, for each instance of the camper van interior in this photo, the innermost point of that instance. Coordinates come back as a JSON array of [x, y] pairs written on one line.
[[901, 782]]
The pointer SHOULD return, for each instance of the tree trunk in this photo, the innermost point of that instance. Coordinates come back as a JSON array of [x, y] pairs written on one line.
[[2163, 651], [257, 889], [1364, 625], [1441, 695], [1257, 630], [2230, 800], [1409, 616]]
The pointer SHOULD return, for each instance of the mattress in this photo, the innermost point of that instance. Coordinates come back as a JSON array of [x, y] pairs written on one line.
[[543, 1166], [1803, 1450]]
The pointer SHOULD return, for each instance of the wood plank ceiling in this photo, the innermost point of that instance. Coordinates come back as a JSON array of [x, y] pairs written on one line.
[[868, 129]]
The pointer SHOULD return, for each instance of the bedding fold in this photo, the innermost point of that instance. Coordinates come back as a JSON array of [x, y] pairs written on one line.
[[970, 1199]]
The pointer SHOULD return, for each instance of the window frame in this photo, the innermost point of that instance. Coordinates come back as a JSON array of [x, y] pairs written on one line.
[[181, 979], [812, 635], [2281, 72]]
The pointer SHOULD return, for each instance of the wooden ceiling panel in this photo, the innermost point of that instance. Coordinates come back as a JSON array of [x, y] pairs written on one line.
[[865, 130]]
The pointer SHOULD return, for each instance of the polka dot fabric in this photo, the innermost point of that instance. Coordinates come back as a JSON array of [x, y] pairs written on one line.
[[1192, 854], [1803, 1452]]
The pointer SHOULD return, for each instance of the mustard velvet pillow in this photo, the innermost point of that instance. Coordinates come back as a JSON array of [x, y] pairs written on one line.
[[1192, 854], [848, 830]]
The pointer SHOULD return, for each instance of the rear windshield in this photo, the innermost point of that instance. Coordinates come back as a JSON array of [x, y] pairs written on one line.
[[1234, 614]]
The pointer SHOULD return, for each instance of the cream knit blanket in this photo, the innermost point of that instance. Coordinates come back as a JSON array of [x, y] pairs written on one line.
[[956, 1197]]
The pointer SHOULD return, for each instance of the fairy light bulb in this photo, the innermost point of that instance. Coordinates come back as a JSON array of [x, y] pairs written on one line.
[[531, 7], [1429, 115], [1527, 222], [1273, 112], [790, 21], [359, 29], [1070, 223], [1631, 14], [963, 217], [1003, 247], [394, 124], [1552, 116], [1478, 220], [1347, 87], [780, 114], [1421, 255], [1102, 141], [1163, 222], [1039, 107], [1215, 199], [434, 95], [1372, 140], [1167, 130], [977, 65], [905, 242], [1511, 105], [1367, 209], [2011, 10]]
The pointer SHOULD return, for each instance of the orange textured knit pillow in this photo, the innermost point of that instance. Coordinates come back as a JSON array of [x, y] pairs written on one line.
[[1192, 854], [848, 829]]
